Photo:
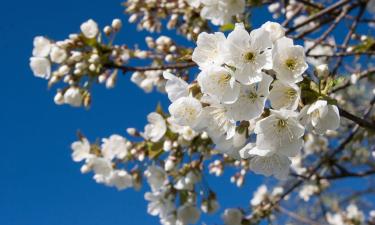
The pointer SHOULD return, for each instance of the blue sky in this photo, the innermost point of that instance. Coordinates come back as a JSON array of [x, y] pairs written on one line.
[[40, 183]]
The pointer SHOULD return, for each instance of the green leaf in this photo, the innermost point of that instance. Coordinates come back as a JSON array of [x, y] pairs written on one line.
[[154, 149], [227, 27]]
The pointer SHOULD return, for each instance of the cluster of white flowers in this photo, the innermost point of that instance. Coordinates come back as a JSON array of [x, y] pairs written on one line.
[[351, 216], [219, 12], [162, 199], [99, 160], [71, 59], [234, 88]]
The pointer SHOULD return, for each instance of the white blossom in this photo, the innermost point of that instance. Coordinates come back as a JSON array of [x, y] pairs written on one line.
[[81, 150], [156, 177], [284, 95], [210, 49], [41, 67], [159, 204], [267, 162], [251, 101], [120, 179], [275, 30], [318, 50], [187, 214], [288, 60], [307, 191], [186, 111], [320, 117], [90, 29], [194, 3], [115, 146], [185, 131], [280, 132], [259, 195], [188, 181], [248, 53], [156, 128], [219, 82], [102, 168], [42, 47], [58, 55], [232, 217], [73, 96], [335, 219], [220, 12], [175, 87]]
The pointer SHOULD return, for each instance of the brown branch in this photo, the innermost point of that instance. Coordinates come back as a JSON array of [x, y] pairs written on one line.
[[349, 175], [352, 28], [151, 68], [318, 15], [329, 29], [297, 217], [341, 54], [361, 122], [362, 75]]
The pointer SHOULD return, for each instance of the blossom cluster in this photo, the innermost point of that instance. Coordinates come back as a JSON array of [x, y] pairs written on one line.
[[247, 97], [189, 17], [78, 61], [99, 160]]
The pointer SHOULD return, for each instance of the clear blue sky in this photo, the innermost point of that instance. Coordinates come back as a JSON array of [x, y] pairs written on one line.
[[40, 185]]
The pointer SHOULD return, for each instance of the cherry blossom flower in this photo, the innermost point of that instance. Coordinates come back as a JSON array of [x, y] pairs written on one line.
[[115, 146], [187, 214], [248, 53], [42, 46], [280, 132], [232, 217], [251, 100], [320, 117], [186, 111], [288, 60], [210, 49], [219, 82], [156, 128], [156, 177], [73, 96], [220, 12], [275, 30], [175, 87], [41, 67], [81, 150], [90, 29], [284, 95]]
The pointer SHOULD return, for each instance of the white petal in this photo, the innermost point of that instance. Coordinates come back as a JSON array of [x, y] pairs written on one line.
[[175, 87], [41, 67]]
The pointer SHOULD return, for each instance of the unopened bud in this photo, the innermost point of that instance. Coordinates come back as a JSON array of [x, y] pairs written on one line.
[[322, 70], [116, 24], [131, 131], [107, 30], [59, 98]]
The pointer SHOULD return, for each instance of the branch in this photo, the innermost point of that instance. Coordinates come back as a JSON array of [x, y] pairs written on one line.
[[361, 122], [349, 175], [151, 68], [297, 217], [362, 75], [318, 15]]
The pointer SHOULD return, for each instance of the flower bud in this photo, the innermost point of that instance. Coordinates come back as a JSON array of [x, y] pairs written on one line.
[[322, 70], [116, 24], [90, 29], [59, 98], [107, 30], [131, 131]]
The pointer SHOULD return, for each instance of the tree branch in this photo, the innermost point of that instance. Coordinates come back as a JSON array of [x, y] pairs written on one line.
[[151, 68]]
